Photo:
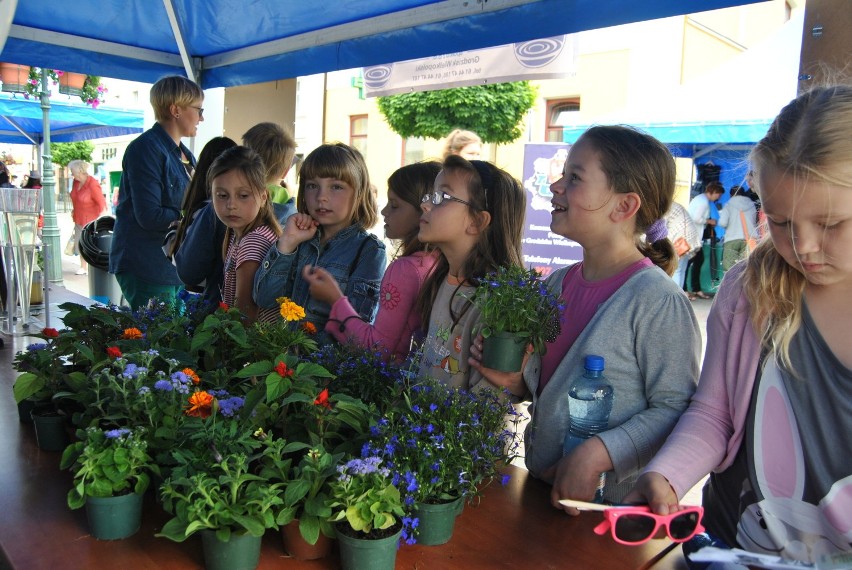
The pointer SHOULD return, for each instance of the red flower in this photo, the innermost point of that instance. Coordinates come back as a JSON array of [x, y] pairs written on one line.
[[113, 352], [223, 306], [309, 327], [389, 296], [322, 400], [283, 371], [50, 332]]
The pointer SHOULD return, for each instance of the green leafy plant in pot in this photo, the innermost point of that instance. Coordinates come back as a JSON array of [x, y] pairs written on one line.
[[516, 310], [112, 470]]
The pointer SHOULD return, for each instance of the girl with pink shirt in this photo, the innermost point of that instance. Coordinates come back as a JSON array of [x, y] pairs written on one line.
[[397, 322]]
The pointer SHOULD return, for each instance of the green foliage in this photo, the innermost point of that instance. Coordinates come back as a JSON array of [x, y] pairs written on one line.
[[494, 112], [365, 497], [108, 463], [63, 153], [226, 498], [515, 300]]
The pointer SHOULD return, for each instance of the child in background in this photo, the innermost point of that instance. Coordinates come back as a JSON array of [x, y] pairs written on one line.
[[617, 185], [397, 321], [474, 216], [773, 411], [200, 258], [335, 206], [241, 202], [466, 144]]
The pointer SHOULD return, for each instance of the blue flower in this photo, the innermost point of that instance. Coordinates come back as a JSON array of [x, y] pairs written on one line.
[[36, 346], [116, 433], [231, 406], [143, 390], [505, 480], [163, 386]]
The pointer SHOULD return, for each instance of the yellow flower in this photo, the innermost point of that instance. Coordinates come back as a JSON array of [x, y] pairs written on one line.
[[290, 310]]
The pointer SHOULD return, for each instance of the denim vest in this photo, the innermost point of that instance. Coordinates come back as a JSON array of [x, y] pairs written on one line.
[[354, 257]]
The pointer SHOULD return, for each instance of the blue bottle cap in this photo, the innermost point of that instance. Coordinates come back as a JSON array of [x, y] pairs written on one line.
[[594, 362]]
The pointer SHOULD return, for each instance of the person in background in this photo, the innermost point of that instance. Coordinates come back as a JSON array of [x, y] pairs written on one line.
[[771, 418], [474, 216], [335, 206], [466, 144], [397, 321], [33, 180], [238, 187], [679, 225], [621, 304], [199, 259], [156, 169], [87, 204], [738, 217], [699, 211]]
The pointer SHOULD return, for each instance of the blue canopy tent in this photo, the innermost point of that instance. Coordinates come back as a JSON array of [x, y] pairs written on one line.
[[21, 121]]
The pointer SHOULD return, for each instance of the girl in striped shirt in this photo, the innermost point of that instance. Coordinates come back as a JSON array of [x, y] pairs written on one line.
[[241, 202]]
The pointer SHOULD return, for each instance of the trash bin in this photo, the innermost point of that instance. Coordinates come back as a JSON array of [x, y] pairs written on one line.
[[95, 243]]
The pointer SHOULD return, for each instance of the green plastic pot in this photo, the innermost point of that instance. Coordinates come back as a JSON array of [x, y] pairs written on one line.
[[114, 518], [50, 429], [240, 552], [436, 522], [367, 554], [503, 351]]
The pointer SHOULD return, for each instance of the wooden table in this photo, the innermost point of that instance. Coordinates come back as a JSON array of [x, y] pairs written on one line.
[[513, 526]]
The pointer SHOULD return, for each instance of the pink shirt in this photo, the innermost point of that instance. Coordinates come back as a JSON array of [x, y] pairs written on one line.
[[582, 299], [397, 320]]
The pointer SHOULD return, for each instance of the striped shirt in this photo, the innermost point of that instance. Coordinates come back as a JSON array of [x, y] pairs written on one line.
[[252, 247]]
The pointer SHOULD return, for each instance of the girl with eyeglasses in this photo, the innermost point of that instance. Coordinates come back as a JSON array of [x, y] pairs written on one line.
[[617, 185], [334, 208], [397, 322], [474, 216], [772, 415]]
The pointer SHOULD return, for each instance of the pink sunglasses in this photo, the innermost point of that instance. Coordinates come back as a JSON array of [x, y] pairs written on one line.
[[632, 525]]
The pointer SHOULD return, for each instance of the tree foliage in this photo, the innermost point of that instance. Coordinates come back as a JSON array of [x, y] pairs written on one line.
[[494, 112], [63, 153]]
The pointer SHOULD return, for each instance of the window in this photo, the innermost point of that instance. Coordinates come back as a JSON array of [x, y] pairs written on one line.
[[108, 153], [412, 150], [558, 113], [358, 133]]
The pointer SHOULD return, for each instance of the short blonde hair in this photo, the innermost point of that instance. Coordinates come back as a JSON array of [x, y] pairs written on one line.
[[275, 145], [173, 90], [458, 139]]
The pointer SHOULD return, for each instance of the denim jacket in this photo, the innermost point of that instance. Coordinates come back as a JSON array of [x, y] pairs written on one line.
[[354, 257], [199, 257], [151, 189]]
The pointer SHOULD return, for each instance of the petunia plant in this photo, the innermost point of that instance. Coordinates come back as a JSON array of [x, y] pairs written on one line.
[[366, 502]]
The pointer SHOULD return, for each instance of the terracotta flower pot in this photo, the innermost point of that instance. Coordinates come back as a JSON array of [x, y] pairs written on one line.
[[71, 83], [15, 77], [299, 548]]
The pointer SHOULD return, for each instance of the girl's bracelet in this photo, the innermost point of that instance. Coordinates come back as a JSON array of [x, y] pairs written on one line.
[[342, 326]]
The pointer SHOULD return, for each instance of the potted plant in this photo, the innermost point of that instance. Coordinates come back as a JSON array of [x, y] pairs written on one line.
[[15, 77], [369, 514], [305, 516], [446, 444], [112, 470], [516, 310]]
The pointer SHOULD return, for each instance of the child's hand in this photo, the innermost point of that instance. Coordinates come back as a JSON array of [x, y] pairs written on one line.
[[578, 473], [299, 228], [323, 285], [655, 490], [512, 381]]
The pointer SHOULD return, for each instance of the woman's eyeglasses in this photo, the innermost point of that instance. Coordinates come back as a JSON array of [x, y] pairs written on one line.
[[199, 109], [438, 196], [632, 525]]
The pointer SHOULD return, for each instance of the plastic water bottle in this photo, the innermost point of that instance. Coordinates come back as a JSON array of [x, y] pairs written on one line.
[[589, 404]]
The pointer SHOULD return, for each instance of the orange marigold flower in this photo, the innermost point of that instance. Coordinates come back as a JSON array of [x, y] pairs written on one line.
[[283, 370], [309, 327], [190, 373], [132, 333], [200, 405], [50, 332], [113, 352], [223, 306], [322, 400], [290, 310]]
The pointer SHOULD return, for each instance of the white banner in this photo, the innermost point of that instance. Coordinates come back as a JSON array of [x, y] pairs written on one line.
[[547, 58]]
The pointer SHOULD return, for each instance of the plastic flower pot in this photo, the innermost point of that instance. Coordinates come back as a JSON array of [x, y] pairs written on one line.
[[503, 351], [50, 429], [113, 518], [368, 554], [299, 548], [436, 521], [240, 552]]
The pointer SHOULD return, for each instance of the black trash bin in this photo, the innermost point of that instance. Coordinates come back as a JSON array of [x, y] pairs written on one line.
[[95, 243]]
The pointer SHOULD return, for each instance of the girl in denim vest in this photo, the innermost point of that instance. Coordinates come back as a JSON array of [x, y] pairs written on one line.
[[397, 320], [335, 206], [474, 216], [242, 203]]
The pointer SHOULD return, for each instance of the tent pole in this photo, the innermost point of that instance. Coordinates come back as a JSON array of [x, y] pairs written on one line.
[[50, 232]]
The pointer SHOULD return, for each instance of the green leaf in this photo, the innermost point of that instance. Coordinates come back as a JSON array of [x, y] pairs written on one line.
[[296, 491], [26, 385], [175, 530], [309, 527]]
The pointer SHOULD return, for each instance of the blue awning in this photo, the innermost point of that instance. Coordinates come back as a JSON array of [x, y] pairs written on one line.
[[21, 121], [234, 42]]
